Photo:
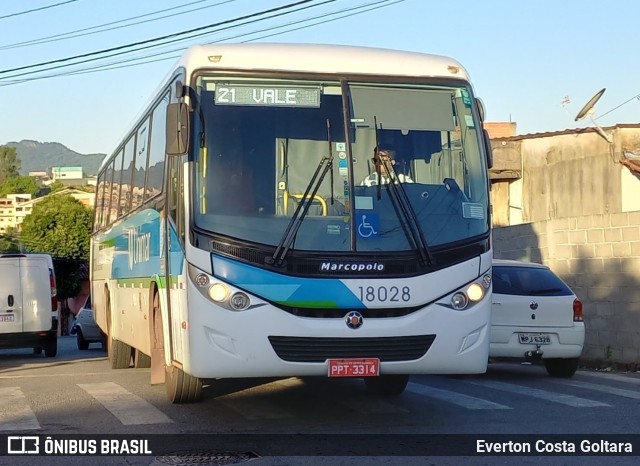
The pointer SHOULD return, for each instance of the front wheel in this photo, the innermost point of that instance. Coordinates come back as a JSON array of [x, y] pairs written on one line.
[[388, 385], [557, 367], [181, 387]]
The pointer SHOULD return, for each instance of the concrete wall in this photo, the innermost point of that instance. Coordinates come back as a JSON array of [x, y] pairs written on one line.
[[599, 258], [577, 201]]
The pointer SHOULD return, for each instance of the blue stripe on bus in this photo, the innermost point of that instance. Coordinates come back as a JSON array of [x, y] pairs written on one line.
[[284, 289]]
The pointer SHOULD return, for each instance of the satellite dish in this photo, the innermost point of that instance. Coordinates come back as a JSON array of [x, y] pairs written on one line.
[[588, 107], [588, 110]]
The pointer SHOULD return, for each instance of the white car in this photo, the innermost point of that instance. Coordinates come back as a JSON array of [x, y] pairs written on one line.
[[535, 316], [86, 330]]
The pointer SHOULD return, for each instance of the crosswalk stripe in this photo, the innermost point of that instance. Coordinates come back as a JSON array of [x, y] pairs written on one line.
[[569, 400], [15, 412], [466, 401], [124, 405], [610, 376], [602, 388]]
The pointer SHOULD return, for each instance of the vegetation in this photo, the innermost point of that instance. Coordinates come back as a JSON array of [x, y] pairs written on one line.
[[9, 163], [60, 225], [19, 185], [9, 241]]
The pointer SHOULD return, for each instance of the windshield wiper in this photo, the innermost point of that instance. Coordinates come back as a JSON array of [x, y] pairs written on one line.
[[403, 206], [326, 164]]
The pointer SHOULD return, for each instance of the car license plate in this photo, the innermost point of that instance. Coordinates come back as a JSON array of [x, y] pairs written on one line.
[[534, 338], [367, 367], [6, 318]]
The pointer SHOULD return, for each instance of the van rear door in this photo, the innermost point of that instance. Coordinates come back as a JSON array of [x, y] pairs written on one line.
[[36, 293], [11, 310]]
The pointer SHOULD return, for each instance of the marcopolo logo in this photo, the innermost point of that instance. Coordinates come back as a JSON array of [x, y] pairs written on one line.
[[351, 267]]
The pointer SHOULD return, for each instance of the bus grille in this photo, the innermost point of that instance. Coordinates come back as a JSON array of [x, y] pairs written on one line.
[[312, 349]]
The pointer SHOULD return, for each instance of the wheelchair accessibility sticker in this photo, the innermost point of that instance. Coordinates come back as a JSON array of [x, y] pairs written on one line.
[[368, 225]]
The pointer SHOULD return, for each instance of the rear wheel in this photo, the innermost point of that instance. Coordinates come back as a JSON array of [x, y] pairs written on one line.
[[557, 367], [141, 360], [37, 350], [51, 347], [119, 353], [82, 343], [388, 385]]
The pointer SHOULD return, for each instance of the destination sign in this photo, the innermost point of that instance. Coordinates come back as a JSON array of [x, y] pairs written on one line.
[[267, 96]]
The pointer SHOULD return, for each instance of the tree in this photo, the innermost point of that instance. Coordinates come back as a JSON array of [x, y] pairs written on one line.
[[9, 163], [19, 185], [9, 242], [58, 225], [57, 186]]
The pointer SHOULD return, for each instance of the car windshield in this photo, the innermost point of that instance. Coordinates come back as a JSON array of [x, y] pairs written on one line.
[[261, 141]]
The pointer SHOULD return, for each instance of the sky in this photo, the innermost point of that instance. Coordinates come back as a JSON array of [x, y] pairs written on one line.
[[535, 63]]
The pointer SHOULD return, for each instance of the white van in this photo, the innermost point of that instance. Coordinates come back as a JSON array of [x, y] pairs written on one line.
[[28, 303]]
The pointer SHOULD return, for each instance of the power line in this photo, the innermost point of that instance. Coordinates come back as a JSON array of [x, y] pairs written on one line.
[[129, 61], [118, 50], [168, 36], [75, 33], [36, 9], [623, 103]]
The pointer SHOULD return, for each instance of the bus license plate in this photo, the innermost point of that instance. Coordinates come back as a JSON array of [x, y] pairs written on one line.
[[534, 338], [368, 367], [6, 318]]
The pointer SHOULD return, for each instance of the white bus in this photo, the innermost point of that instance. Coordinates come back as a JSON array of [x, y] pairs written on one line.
[[247, 226]]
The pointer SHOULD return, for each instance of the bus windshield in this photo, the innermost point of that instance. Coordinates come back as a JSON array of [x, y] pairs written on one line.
[[260, 142]]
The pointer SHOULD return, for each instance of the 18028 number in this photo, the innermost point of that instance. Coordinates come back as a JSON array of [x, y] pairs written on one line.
[[384, 294]]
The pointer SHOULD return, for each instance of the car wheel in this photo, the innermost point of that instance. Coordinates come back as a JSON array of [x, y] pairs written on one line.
[[51, 348], [37, 350], [557, 367], [387, 385], [82, 343]]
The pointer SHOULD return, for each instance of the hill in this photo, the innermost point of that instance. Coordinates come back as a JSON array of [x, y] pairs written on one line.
[[38, 156]]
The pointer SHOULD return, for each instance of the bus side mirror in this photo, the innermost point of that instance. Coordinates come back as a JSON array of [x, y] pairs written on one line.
[[178, 128], [487, 148]]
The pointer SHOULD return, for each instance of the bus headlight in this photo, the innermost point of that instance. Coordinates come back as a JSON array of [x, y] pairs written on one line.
[[239, 301], [470, 294], [219, 292], [459, 301], [201, 280], [475, 292]]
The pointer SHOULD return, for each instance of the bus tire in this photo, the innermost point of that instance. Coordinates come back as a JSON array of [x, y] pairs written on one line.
[[141, 360], [182, 387], [387, 385], [119, 353]]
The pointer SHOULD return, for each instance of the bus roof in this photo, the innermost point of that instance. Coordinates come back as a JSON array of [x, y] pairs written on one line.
[[321, 59]]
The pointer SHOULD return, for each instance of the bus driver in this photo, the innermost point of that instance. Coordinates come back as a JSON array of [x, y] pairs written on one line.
[[386, 168]]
